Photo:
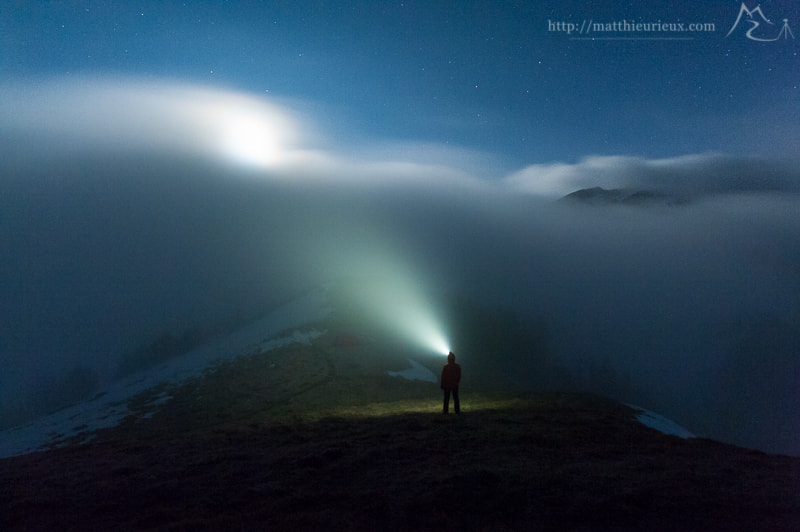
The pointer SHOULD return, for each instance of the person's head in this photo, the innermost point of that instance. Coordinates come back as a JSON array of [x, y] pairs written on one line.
[[451, 357]]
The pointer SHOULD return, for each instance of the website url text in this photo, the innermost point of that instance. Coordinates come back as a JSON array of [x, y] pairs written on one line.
[[587, 27]]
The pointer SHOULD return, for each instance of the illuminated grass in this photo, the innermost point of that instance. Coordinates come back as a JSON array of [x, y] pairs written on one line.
[[428, 405]]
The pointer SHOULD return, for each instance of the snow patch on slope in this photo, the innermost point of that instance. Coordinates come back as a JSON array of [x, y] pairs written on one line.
[[77, 424], [416, 372], [660, 423]]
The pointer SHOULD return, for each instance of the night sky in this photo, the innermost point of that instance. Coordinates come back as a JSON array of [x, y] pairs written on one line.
[[488, 76], [164, 164]]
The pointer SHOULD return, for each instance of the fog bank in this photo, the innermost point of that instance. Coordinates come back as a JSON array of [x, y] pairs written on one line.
[[114, 229]]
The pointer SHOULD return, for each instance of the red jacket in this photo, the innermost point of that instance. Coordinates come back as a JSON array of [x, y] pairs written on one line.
[[451, 375]]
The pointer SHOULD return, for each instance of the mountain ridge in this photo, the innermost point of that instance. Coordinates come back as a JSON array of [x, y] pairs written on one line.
[[624, 196], [315, 435]]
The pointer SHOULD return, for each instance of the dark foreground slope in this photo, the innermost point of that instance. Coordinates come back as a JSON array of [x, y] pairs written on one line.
[[311, 438]]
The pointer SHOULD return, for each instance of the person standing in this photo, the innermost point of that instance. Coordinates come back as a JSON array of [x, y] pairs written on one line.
[[451, 376]]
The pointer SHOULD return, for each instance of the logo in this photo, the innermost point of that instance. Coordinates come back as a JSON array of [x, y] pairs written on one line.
[[757, 19]]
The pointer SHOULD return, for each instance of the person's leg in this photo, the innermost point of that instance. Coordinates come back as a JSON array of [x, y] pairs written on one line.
[[456, 403], [446, 400]]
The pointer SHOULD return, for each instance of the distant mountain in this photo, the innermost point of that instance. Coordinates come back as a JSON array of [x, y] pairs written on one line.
[[622, 196]]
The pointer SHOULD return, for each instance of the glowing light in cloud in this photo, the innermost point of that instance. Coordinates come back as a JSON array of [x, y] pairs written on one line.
[[249, 140], [130, 115], [252, 132]]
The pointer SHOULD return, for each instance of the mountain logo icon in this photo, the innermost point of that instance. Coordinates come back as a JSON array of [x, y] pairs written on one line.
[[752, 17]]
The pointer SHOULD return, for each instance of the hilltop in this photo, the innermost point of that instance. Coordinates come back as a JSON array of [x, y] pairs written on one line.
[[320, 436]]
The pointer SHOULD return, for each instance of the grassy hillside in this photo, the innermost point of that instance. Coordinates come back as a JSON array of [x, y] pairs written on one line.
[[320, 437]]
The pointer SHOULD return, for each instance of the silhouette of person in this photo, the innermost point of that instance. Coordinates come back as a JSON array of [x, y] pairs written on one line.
[[451, 376]]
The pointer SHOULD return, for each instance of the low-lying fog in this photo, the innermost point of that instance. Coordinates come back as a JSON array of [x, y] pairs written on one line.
[[128, 209]]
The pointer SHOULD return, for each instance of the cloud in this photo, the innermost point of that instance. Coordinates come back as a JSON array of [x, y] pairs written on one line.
[[83, 116], [106, 117], [688, 174], [136, 116]]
